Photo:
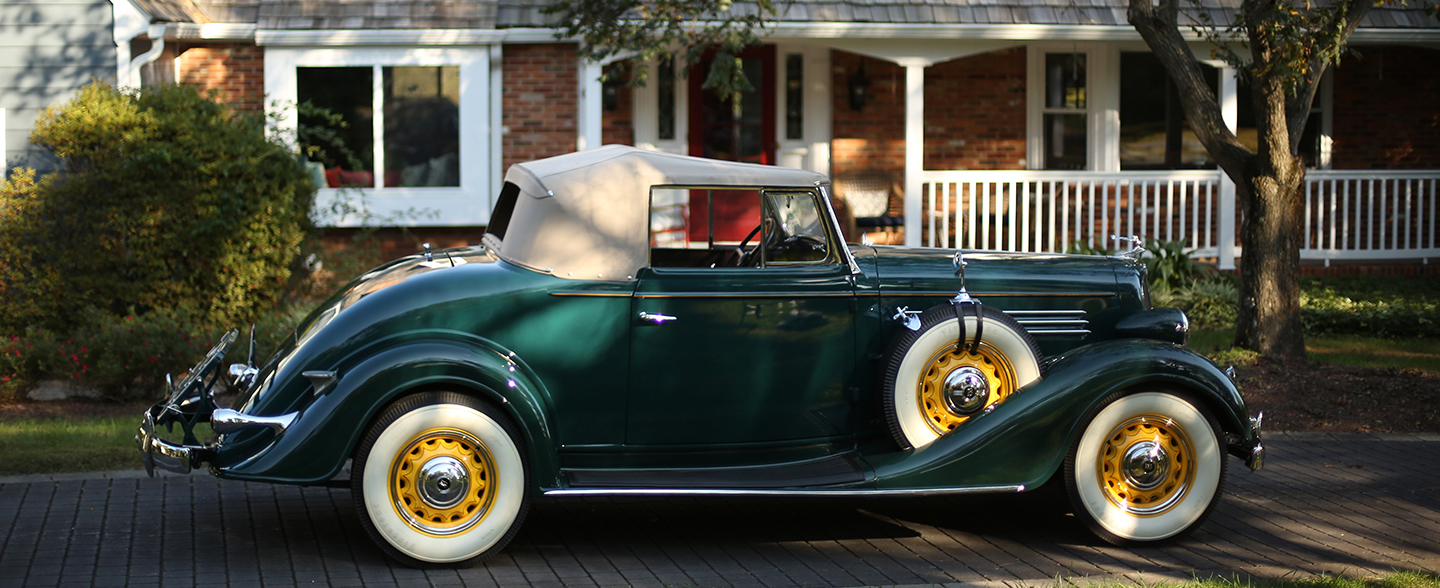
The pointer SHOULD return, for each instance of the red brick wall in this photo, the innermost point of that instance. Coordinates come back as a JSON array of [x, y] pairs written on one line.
[[393, 243], [875, 136], [235, 70], [539, 101], [974, 114], [1387, 114]]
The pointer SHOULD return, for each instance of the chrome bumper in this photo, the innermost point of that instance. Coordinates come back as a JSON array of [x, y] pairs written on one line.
[[181, 459], [191, 403], [1256, 460], [158, 453]]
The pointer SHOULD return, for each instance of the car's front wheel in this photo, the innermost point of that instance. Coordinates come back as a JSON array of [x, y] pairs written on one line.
[[440, 480], [1148, 467]]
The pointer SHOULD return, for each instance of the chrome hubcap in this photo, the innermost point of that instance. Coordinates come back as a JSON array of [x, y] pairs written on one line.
[[966, 390], [444, 482], [1146, 465]]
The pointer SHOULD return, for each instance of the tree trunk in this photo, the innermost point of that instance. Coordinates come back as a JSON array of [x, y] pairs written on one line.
[[1271, 232]]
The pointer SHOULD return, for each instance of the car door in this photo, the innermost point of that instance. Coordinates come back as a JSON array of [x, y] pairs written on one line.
[[753, 342]]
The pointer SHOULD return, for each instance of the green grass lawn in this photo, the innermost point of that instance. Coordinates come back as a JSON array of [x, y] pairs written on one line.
[[1421, 354], [54, 445], [1407, 579], [59, 445]]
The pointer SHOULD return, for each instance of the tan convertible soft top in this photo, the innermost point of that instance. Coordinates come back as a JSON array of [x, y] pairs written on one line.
[[586, 215]]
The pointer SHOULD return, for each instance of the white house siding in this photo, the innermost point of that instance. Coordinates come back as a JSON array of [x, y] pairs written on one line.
[[48, 50]]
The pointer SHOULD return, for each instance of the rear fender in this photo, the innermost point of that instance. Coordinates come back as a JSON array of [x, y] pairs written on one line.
[[325, 433], [1023, 441]]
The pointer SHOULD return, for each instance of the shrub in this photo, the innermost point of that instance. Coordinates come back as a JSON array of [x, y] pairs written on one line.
[[1170, 265], [1325, 313], [1208, 302], [124, 358], [166, 201]]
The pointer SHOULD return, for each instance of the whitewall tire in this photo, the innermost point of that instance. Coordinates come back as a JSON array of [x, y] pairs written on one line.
[[924, 384], [440, 480], [1148, 467]]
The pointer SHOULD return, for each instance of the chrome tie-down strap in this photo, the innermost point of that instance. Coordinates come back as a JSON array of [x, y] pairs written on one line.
[[960, 302]]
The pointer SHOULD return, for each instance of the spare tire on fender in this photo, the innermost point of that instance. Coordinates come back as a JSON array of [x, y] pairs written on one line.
[[929, 387]]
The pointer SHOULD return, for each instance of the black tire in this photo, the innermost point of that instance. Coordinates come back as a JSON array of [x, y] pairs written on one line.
[[440, 480], [918, 363], [1175, 474]]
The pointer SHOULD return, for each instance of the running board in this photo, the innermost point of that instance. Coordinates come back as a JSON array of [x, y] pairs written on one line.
[[839, 469], [799, 492]]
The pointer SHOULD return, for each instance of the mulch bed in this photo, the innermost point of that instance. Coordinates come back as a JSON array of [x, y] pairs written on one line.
[[1295, 395], [1305, 396]]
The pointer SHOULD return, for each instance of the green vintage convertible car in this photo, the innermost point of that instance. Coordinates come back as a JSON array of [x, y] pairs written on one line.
[[639, 323]]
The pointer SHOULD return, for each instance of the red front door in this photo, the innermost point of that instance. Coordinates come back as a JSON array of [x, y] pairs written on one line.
[[736, 130]]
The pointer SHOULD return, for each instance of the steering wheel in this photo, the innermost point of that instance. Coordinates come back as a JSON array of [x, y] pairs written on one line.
[[799, 248], [743, 255]]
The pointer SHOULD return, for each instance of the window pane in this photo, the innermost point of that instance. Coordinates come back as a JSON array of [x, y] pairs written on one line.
[[732, 124], [794, 231], [336, 127], [1065, 80], [1154, 133], [422, 126], [1065, 141], [794, 96]]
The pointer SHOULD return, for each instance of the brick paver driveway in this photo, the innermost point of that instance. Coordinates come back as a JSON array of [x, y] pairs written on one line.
[[1356, 505]]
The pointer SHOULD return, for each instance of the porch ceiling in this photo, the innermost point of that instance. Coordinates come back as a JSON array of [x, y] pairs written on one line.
[[923, 52]]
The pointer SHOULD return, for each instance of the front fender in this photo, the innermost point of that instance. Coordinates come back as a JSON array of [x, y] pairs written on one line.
[[325, 433], [1025, 439]]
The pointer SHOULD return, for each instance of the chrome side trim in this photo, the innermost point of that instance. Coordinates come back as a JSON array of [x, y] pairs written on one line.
[[747, 295], [894, 292], [774, 492], [225, 420], [1027, 323], [1067, 322]]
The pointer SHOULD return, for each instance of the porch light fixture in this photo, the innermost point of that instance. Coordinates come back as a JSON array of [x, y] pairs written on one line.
[[859, 87]]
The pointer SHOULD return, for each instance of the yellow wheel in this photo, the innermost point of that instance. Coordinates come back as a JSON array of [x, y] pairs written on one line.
[[960, 384], [439, 480], [1148, 467], [1145, 465], [930, 387]]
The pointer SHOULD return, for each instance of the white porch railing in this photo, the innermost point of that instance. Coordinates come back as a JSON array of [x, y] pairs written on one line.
[[1348, 214], [1360, 214]]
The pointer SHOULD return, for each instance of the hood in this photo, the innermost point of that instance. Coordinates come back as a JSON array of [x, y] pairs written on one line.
[[907, 270]]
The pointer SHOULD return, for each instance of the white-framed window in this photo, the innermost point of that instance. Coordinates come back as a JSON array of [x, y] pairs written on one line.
[[1071, 97], [406, 140]]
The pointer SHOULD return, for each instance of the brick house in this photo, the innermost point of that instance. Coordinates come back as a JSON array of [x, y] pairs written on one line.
[[997, 124]]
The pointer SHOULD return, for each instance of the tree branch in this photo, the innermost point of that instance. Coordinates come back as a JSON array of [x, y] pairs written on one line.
[[1160, 29], [1332, 32]]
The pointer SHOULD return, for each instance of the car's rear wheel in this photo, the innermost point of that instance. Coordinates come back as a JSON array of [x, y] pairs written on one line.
[[932, 385], [440, 480], [1148, 467]]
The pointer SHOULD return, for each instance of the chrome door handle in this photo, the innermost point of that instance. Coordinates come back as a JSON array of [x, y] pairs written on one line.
[[656, 318]]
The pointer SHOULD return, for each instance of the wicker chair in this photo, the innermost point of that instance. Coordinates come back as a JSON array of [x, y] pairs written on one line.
[[870, 195]]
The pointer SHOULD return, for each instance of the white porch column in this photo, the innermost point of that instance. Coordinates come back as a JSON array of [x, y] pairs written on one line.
[[1230, 111], [590, 115], [496, 113], [914, 147], [4, 163]]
